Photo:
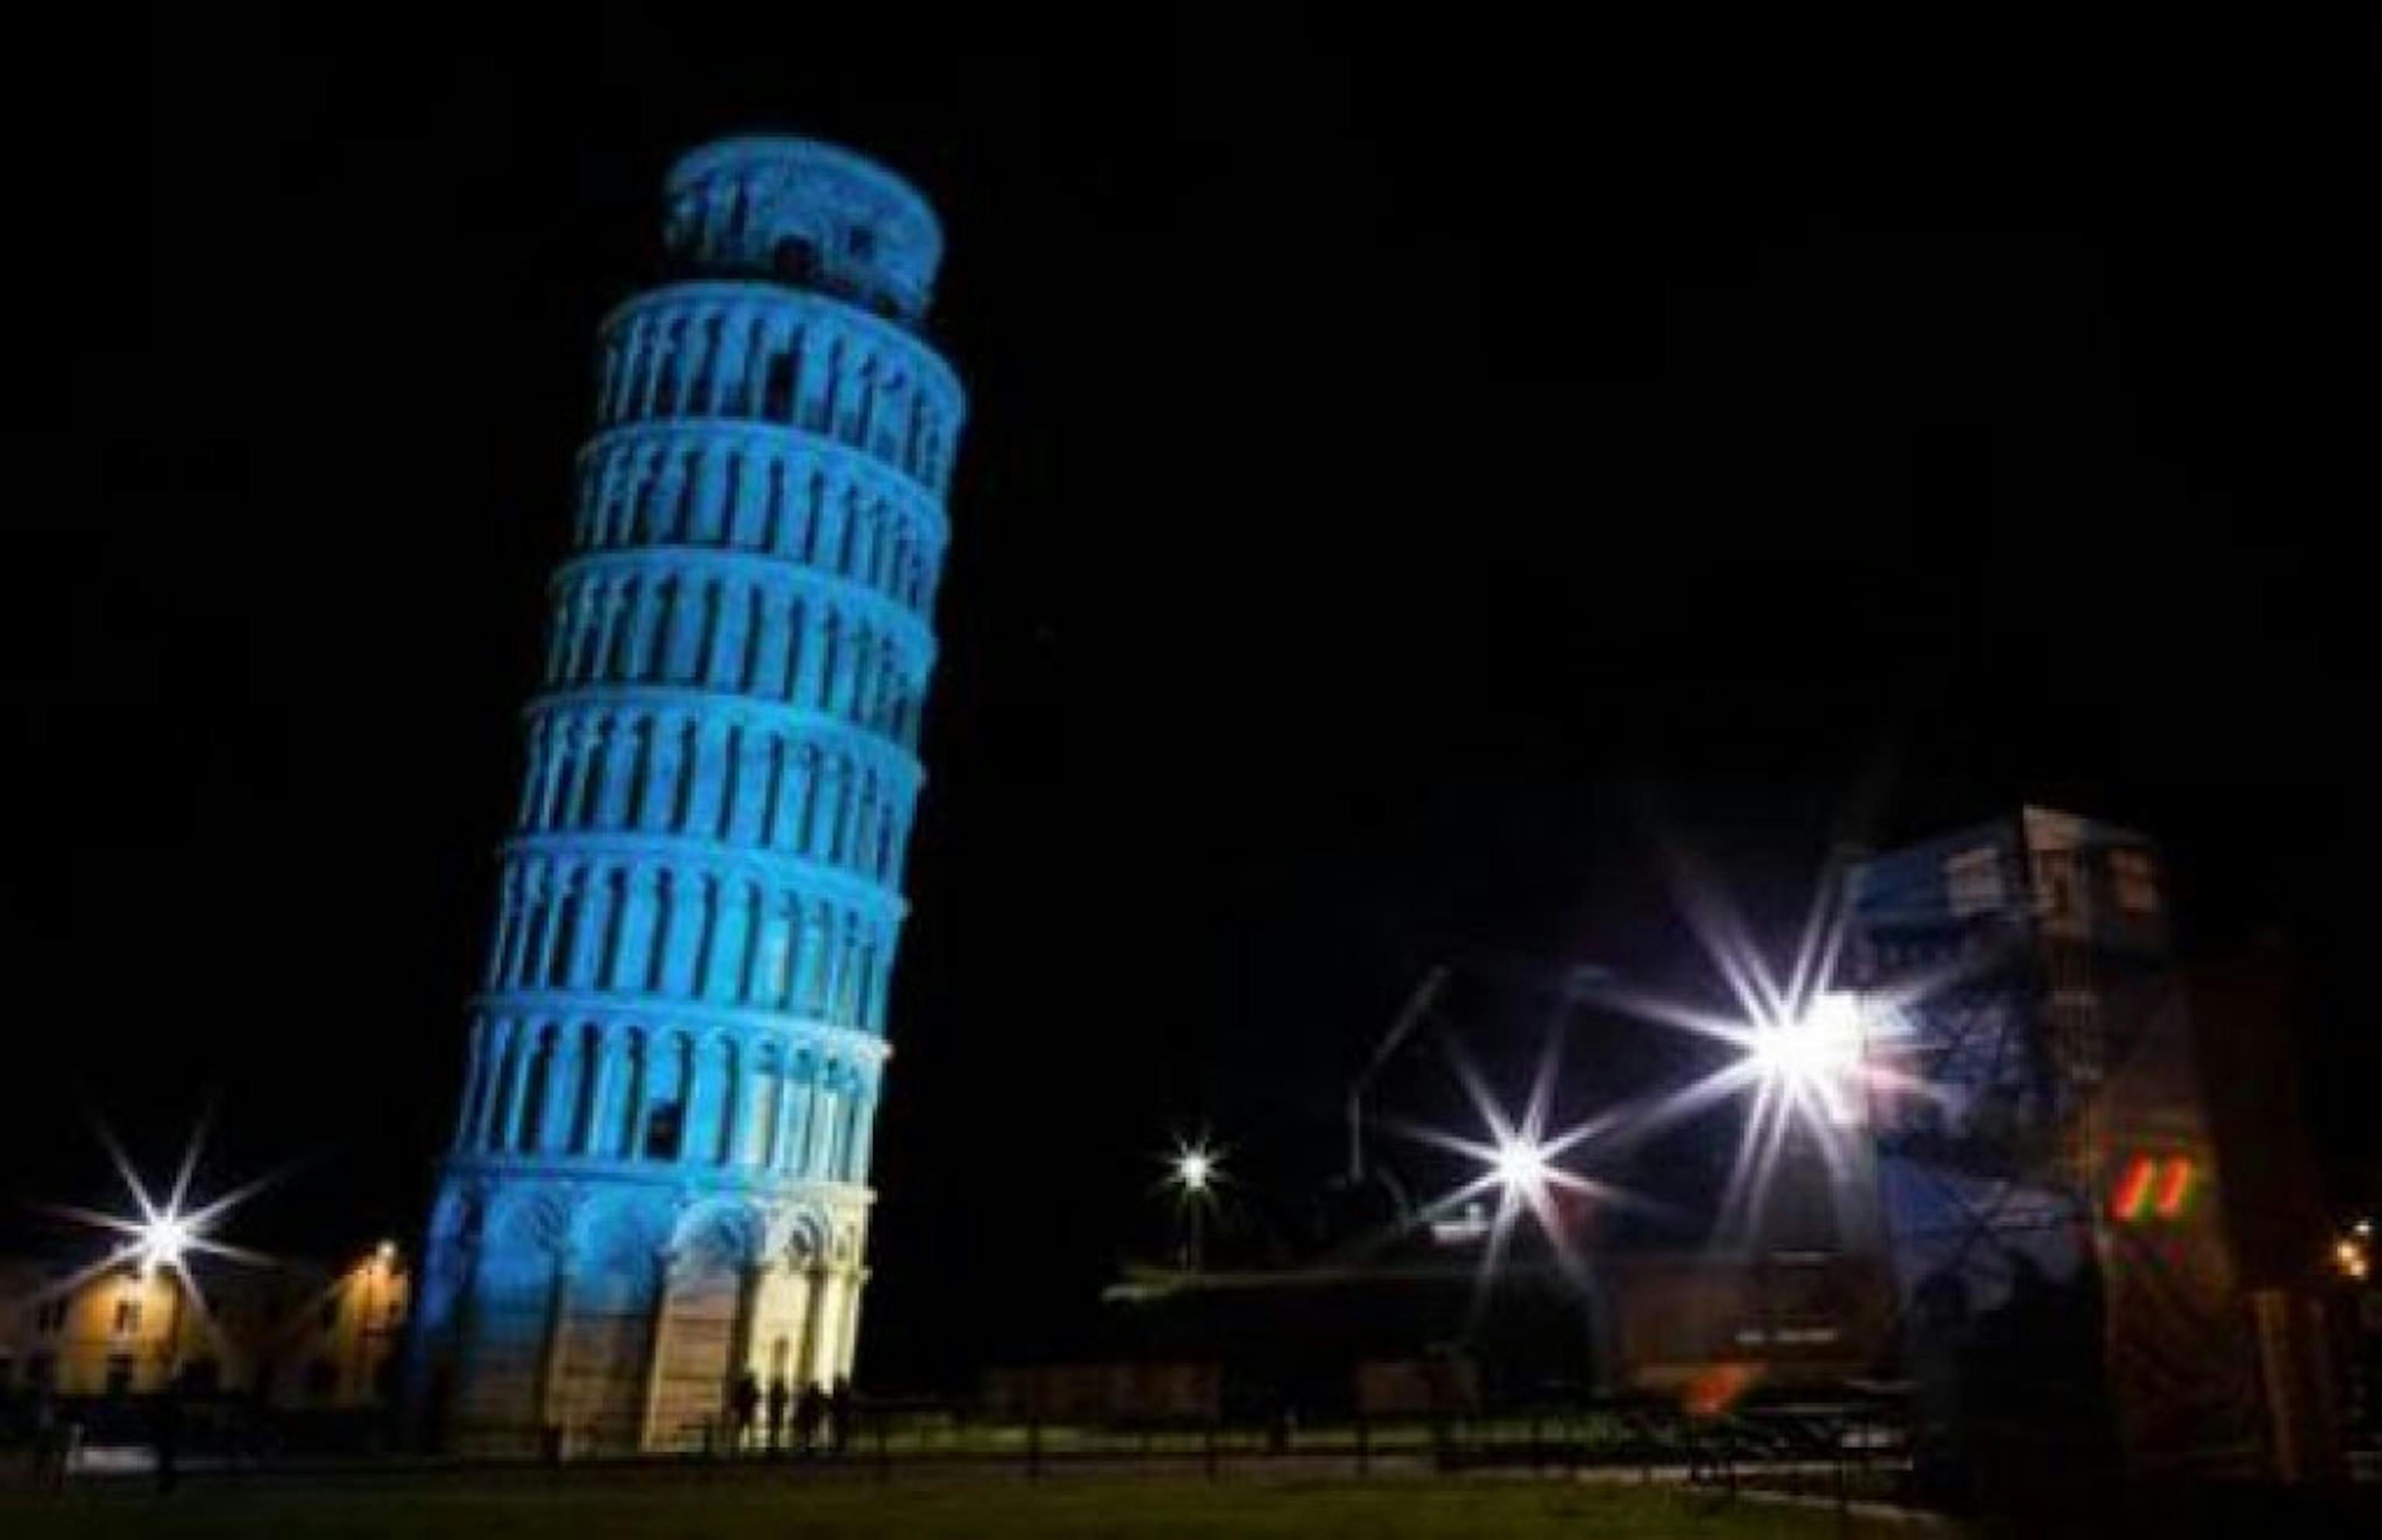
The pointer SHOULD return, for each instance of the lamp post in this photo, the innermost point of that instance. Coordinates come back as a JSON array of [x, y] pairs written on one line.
[[373, 1290], [1193, 1175]]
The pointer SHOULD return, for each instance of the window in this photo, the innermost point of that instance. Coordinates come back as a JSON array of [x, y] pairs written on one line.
[[2136, 876], [1972, 882], [128, 1316], [50, 1315], [663, 1129], [120, 1373]]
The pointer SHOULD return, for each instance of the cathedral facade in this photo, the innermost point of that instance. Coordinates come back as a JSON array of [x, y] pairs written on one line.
[[659, 1177]]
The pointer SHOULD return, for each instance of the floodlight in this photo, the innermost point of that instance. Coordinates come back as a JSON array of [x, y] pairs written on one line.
[[163, 1239], [1522, 1165]]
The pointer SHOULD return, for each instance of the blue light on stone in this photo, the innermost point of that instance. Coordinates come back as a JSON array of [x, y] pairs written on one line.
[[659, 1180]]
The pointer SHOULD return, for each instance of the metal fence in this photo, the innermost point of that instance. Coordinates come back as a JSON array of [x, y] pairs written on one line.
[[1839, 1451], [1842, 1452]]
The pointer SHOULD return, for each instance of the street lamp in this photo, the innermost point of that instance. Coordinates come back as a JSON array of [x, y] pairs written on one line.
[[163, 1239], [377, 1271], [1521, 1163], [1811, 1060], [1193, 1171], [1807, 1051]]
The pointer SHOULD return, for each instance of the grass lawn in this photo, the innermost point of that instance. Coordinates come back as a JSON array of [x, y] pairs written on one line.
[[599, 1506]]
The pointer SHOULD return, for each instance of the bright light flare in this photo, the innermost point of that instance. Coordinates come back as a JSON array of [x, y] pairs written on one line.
[[1195, 1168], [164, 1239], [1807, 1060], [164, 1236], [1522, 1162], [1814, 1050], [1521, 1167]]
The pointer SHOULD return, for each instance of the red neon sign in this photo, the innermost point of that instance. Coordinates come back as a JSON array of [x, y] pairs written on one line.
[[2154, 1187]]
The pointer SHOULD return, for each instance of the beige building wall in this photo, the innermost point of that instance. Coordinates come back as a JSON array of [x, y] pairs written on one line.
[[318, 1338]]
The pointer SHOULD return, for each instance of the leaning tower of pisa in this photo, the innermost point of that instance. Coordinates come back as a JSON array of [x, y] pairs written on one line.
[[659, 1177]]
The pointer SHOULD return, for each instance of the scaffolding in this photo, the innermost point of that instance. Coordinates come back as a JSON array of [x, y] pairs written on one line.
[[2046, 1192]]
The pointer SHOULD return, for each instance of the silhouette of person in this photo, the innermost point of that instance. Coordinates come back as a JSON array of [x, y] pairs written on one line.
[[781, 1397], [838, 1408], [809, 1413], [745, 1406]]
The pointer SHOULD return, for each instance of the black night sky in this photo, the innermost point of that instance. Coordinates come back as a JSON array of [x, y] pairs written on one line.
[[1413, 474]]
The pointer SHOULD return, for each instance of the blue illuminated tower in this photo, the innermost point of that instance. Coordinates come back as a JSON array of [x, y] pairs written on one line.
[[658, 1181]]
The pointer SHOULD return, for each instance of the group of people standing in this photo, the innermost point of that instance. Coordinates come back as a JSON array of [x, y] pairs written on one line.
[[821, 1416]]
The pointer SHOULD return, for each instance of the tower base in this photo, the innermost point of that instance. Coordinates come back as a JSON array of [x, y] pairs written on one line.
[[619, 1317]]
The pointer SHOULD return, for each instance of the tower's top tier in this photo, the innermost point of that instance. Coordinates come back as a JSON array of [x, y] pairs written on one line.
[[806, 214]]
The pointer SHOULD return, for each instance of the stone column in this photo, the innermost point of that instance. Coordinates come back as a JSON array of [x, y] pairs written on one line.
[[802, 1309], [595, 928], [750, 1279], [653, 358], [475, 1082], [864, 1130], [558, 900], [521, 898], [552, 1353], [759, 1123], [766, 678], [812, 658], [635, 397], [483, 1113], [857, 1281], [728, 361], [816, 1361], [756, 368], [559, 1097], [656, 1352], [525, 1034], [698, 1123], [508, 916], [789, 1119], [639, 1101], [601, 1121], [811, 365], [686, 387]]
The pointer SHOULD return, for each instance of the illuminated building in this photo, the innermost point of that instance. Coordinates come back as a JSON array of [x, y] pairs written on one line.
[[2048, 1181], [292, 1334], [659, 1180]]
